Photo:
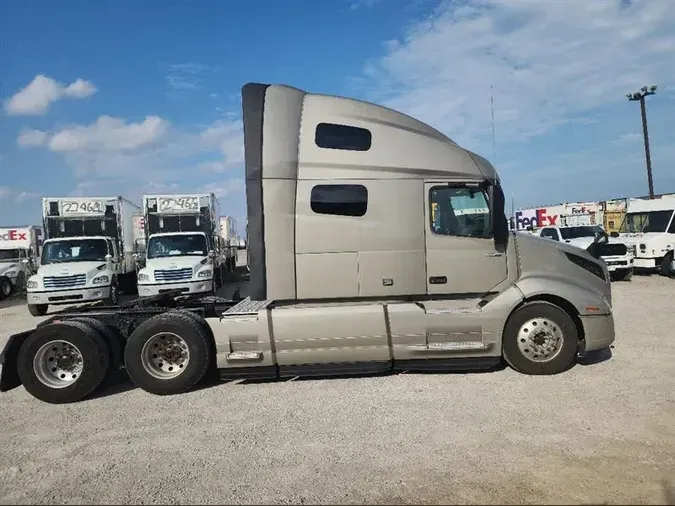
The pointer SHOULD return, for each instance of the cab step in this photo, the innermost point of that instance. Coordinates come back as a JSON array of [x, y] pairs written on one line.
[[452, 346]]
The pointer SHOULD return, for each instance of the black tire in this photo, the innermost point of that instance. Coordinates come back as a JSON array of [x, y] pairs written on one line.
[[6, 287], [38, 309], [20, 286], [199, 344], [112, 337], [561, 321], [622, 275], [665, 264], [217, 278], [95, 357], [114, 297], [212, 372], [129, 283]]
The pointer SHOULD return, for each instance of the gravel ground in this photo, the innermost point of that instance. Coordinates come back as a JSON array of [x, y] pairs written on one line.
[[603, 432]]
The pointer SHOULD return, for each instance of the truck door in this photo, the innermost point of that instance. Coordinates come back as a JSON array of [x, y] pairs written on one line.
[[461, 255]]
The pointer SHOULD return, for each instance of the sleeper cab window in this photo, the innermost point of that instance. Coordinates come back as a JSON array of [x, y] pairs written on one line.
[[350, 138], [339, 199], [459, 212]]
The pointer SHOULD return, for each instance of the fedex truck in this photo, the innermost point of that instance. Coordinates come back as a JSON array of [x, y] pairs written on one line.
[[87, 254], [19, 251], [649, 229], [183, 244], [538, 217]]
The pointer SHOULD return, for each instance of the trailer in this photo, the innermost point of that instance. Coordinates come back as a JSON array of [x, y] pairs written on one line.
[[20, 249], [183, 250], [342, 281], [87, 254]]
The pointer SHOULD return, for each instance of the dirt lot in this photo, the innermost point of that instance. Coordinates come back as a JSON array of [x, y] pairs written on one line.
[[600, 433]]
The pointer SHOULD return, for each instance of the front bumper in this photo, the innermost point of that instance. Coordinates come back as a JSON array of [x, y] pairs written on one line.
[[598, 331], [645, 263], [617, 263], [70, 296], [200, 286]]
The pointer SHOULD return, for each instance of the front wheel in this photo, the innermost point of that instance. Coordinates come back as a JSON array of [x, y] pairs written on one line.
[[38, 309], [168, 354], [622, 275], [6, 287], [114, 296], [540, 338], [665, 265]]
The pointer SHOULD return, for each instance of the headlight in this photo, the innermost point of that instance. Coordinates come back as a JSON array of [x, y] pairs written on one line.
[[10, 274], [32, 284], [100, 280], [143, 277], [205, 274]]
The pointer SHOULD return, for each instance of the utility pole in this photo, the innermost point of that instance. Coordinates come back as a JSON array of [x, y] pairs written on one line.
[[640, 95]]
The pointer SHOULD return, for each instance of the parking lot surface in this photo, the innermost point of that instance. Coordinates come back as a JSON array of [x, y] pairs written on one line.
[[603, 432]]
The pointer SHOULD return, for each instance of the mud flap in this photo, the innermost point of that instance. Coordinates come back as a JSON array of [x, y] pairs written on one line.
[[9, 375]]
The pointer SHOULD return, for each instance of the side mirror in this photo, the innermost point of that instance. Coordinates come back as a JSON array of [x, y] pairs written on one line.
[[212, 254], [25, 261], [108, 257], [498, 221], [614, 234]]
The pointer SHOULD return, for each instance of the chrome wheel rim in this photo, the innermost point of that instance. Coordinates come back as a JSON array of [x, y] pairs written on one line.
[[165, 355], [540, 339], [58, 364]]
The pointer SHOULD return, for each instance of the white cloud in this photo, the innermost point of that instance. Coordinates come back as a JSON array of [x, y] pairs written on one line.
[[182, 77], [24, 196], [147, 150], [43, 91], [628, 138], [548, 62], [30, 138], [5, 192]]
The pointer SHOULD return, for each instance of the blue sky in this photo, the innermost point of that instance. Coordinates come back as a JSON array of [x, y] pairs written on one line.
[[113, 97]]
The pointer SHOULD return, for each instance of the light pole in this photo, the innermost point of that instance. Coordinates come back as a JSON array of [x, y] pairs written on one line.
[[640, 95]]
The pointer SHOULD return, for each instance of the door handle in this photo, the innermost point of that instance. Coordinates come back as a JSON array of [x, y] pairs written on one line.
[[493, 254], [438, 280]]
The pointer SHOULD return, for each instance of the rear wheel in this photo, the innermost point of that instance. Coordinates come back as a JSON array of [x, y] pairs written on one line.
[[622, 275], [63, 362], [113, 339], [20, 286], [168, 354], [38, 309], [540, 338], [114, 297]]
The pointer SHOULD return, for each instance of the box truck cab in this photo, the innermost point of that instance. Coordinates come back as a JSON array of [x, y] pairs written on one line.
[[19, 251], [649, 229], [87, 254], [351, 270], [618, 257], [184, 249]]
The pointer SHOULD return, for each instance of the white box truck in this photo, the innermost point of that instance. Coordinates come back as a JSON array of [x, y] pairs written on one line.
[[19, 252], [183, 244], [87, 254], [649, 229], [230, 242]]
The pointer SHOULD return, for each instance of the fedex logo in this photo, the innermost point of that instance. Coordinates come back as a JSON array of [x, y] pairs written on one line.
[[13, 235], [535, 218]]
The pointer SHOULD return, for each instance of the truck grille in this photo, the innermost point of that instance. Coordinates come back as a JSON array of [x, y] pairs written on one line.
[[613, 249], [64, 282], [173, 275]]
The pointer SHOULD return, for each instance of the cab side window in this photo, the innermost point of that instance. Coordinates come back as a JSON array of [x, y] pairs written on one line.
[[550, 233], [339, 199], [459, 212]]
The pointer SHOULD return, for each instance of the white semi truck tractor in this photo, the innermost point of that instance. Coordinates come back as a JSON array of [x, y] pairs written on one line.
[[350, 272], [87, 254], [183, 249], [19, 252]]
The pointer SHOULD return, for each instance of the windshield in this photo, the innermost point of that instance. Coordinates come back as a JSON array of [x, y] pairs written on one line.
[[74, 250], [177, 246], [10, 254], [576, 232], [653, 221]]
